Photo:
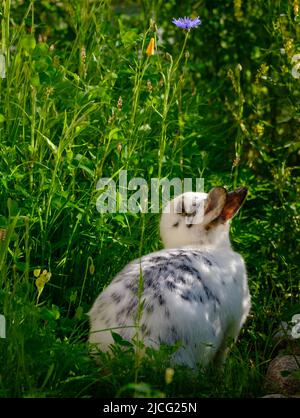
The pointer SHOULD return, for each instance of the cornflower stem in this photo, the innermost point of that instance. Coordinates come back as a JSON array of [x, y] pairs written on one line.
[[182, 51], [168, 78]]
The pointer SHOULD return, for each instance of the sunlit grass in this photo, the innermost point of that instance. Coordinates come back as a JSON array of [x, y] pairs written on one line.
[[81, 99]]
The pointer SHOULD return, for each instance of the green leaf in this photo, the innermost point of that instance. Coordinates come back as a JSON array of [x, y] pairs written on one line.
[[28, 42], [79, 312], [55, 312], [41, 64], [73, 296], [12, 207], [41, 49], [118, 339], [35, 80], [113, 133], [128, 37], [21, 266], [3, 221]]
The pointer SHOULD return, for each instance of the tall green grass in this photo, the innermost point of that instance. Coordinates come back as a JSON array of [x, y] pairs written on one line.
[[81, 100]]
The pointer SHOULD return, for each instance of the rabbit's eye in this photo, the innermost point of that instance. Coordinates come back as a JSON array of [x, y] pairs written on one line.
[[188, 213], [181, 209]]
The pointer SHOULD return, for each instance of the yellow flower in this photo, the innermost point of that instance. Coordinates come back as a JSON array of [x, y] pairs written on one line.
[[3, 233], [238, 13], [296, 7], [42, 279], [259, 129], [150, 47], [169, 374], [36, 272]]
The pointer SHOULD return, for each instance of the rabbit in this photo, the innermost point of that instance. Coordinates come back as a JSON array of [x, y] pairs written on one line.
[[194, 292]]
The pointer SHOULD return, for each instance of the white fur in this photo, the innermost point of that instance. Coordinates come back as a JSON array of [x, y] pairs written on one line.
[[209, 303], [183, 236]]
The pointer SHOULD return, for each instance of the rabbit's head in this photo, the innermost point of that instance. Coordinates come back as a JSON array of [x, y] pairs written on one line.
[[200, 218]]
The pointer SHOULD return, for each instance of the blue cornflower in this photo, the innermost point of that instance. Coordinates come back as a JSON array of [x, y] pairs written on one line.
[[187, 22]]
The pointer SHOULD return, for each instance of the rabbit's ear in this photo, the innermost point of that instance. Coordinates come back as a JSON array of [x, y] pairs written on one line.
[[234, 201], [214, 204]]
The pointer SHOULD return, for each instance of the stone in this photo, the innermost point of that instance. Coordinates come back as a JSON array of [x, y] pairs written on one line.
[[280, 378]]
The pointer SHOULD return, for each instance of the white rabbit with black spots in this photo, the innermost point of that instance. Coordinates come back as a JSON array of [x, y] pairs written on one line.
[[194, 292]]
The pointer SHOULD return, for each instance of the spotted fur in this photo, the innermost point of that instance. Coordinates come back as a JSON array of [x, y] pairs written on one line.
[[195, 294]]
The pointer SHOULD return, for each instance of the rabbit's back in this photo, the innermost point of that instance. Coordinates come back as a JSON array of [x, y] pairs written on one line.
[[197, 298]]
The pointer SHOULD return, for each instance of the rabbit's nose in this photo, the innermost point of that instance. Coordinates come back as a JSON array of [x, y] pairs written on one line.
[[241, 190], [241, 193]]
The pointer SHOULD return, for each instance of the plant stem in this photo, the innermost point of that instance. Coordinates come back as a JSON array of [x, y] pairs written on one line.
[[168, 79]]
